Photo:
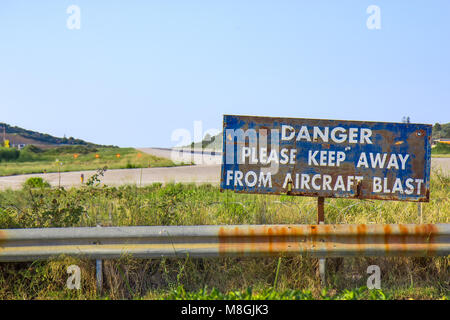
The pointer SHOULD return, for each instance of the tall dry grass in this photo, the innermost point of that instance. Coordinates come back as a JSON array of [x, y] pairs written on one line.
[[176, 204]]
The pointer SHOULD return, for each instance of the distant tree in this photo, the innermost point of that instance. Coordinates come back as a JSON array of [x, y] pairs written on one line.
[[446, 131], [436, 131], [437, 127], [206, 140], [207, 137]]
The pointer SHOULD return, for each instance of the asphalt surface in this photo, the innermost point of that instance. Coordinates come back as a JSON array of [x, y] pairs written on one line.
[[206, 170]]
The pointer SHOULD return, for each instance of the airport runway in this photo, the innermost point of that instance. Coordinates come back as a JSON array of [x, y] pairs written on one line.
[[207, 171]]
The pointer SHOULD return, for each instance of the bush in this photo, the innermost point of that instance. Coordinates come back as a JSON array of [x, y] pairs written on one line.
[[7, 154], [29, 153], [36, 182], [32, 148], [441, 148], [71, 149]]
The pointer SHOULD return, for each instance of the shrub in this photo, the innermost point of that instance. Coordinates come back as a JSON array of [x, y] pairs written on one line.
[[130, 165], [441, 148], [71, 149], [32, 148], [7, 154], [36, 182], [29, 153]]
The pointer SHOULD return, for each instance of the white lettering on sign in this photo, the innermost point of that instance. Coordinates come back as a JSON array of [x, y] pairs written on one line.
[[380, 185], [319, 182], [262, 156], [326, 158], [251, 179], [378, 160], [337, 134]]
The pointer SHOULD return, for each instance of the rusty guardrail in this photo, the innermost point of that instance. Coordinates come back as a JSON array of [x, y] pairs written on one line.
[[217, 241]]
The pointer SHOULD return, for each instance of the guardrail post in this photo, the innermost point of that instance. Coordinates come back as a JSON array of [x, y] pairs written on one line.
[[321, 220], [99, 275], [99, 271]]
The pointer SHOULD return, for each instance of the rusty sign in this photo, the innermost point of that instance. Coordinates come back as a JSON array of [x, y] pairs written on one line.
[[326, 158]]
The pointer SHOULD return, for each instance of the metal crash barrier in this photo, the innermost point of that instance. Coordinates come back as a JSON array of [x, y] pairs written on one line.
[[219, 241]]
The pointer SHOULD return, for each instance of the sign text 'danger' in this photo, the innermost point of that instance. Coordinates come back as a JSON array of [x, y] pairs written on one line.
[[327, 158]]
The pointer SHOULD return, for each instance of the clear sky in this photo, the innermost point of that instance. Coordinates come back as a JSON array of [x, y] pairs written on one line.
[[137, 70]]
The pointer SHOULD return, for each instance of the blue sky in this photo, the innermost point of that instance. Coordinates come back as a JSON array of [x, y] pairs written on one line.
[[137, 70]]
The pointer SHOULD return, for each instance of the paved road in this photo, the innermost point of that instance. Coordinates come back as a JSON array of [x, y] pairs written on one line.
[[208, 172], [195, 174], [186, 156], [440, 164]]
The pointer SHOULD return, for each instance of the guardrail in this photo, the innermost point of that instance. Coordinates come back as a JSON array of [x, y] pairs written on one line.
[[217, 241]]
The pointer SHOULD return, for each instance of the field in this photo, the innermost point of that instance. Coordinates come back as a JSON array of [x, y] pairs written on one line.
[[231, 278], [77, 158]]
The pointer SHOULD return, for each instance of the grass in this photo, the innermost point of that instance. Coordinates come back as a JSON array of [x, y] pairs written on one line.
[[224, 278], [440, 155], [74, 160], [180, 293]]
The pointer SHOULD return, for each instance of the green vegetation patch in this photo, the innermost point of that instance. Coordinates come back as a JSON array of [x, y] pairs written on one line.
[[36, 182], [180, 293], [8, 154], [441, 148], [75, 158]]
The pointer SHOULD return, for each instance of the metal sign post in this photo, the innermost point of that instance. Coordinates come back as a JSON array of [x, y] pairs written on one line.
[[320, 210], [321, 220]]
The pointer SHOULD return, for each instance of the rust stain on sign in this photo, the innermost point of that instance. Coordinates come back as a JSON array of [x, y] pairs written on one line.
[[326, 158]]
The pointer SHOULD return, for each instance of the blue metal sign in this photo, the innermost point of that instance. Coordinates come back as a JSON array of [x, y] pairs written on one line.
[[326, 158]]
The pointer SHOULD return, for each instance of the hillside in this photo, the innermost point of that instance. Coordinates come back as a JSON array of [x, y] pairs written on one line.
[[441, 131], [209, 143], [17, 135]]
